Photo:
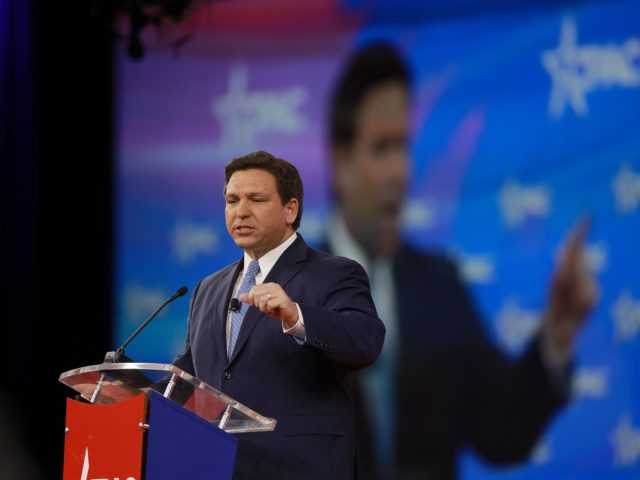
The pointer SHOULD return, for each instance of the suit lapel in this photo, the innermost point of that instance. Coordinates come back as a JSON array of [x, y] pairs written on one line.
[[222, 309], [287, 266]]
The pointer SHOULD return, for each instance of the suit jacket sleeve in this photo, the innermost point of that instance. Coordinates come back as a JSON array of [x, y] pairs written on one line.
[[511, 401], [343, 325], [184, 360]]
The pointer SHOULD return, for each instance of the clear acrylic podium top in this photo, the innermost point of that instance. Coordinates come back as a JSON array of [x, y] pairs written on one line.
[[114, 382]]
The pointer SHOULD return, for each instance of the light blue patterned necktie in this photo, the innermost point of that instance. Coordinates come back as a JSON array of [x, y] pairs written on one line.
[[236, 317]]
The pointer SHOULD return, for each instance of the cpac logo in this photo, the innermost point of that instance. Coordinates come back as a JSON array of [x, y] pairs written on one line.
[[139, 301], [596, 255], [244, 115], [626, 316], [479, 269], [516, 325], [591, 382], [626, 442], [85, 470], [626, 188], [517, 202], [578, 70], [314, 226], [419, 214], [188, 240]]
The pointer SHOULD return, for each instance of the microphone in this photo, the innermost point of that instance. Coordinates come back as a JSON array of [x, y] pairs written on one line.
[[118, 355], [235, 305]]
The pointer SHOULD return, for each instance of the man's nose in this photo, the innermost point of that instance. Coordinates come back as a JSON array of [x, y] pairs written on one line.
[[243, 209], [398, 165]]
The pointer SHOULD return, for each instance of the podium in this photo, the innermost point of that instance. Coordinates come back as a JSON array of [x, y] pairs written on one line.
[[151, 421]]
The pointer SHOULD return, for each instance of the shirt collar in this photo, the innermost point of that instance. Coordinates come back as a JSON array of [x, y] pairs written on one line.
[[343, 244], [269, 259]]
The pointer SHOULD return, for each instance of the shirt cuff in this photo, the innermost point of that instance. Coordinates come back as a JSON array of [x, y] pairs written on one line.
[[298, 331], [558, 364], [554, 358]]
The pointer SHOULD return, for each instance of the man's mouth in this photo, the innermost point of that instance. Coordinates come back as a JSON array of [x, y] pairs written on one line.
[[243, 229], [389, 209]]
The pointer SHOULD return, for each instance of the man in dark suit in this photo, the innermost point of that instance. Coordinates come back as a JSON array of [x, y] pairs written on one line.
[[307, 322], [439, 384]]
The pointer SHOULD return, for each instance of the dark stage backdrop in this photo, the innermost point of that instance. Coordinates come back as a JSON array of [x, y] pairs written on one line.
[[524, 119], [55, 219]]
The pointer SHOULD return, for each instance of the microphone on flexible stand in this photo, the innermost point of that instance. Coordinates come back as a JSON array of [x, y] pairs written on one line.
[[118, 355]]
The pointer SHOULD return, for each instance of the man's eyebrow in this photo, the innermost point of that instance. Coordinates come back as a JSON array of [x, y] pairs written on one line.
[[254, 194]]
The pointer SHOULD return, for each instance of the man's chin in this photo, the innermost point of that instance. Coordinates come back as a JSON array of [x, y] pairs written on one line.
[[243, 242], [380, 242], [387, 245], [386, 234]]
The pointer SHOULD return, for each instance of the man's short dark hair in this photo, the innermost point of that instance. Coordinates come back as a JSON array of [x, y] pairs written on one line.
[[370, 67], [288, 181]]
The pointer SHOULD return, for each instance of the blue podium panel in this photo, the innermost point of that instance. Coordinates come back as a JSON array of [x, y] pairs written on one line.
[[183, 445]]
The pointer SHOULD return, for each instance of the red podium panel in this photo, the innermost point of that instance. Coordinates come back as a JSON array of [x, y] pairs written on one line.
[[104, 441]]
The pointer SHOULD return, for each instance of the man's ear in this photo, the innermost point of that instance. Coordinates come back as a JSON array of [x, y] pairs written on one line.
[[291, 208]]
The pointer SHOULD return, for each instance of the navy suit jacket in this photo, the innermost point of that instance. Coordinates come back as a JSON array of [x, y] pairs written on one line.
[[453, 387], [306, 388]]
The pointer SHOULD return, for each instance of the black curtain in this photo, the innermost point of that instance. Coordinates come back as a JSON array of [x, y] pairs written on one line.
[[56, 173]]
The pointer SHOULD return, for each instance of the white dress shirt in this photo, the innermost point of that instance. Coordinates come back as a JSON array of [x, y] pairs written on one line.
[[378, 381], [266, 262]]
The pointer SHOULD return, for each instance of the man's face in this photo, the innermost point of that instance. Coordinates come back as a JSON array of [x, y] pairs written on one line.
[[256, 219], [371, 174]]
